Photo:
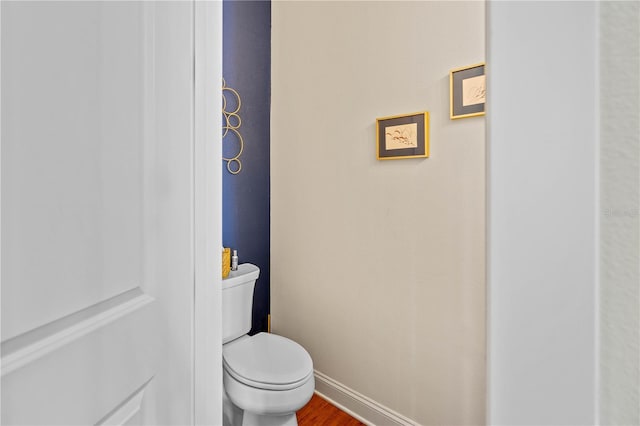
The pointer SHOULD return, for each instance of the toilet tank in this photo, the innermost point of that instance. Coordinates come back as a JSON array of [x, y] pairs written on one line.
[[237, 301]]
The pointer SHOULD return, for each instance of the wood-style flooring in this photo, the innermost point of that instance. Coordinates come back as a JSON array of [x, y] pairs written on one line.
[[319, 412]]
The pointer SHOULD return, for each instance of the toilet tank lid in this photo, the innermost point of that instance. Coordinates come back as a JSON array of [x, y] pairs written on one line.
[[246, 272]]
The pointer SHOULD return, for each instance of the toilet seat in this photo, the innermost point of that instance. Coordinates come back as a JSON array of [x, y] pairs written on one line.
[[268, 361]]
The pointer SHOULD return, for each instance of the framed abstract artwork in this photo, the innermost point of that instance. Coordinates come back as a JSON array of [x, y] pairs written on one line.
[[403, 136], [467, 91]]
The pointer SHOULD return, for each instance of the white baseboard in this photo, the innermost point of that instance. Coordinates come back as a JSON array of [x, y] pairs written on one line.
[[357, 405]]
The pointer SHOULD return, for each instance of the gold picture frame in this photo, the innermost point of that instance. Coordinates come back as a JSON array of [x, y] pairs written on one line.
[[467, 91], [403, 136]]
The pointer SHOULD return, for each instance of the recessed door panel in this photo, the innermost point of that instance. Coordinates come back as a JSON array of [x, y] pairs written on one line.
[[75, 384], [72, 140]]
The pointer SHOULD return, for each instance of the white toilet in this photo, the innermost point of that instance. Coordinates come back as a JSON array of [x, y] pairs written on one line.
[[267, 378]]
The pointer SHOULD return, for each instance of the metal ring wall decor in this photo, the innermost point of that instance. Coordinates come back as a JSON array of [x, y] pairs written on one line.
[[232, 123]]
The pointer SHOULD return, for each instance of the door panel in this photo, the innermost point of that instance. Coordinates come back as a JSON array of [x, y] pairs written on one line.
[[75, 384], [97, 213], [72, 193]]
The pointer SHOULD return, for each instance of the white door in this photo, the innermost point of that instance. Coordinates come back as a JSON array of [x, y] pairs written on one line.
[[97, 213]]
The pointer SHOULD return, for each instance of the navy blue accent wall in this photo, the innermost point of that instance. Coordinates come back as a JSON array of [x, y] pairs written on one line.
[[245, 212]]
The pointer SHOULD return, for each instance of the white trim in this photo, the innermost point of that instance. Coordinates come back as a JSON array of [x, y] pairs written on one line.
[[207, 237], [49, 342], [597, 216], [488, 185], [357, 405], [527, 284]]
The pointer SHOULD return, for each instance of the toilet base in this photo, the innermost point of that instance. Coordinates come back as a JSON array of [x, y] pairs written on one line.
[[232, 415], [264, 407], [251, 419]]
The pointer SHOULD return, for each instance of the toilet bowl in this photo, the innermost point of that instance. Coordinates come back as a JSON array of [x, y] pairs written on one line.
[[266, 377]]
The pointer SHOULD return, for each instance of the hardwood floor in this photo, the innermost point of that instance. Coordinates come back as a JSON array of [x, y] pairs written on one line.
[[319, 412]]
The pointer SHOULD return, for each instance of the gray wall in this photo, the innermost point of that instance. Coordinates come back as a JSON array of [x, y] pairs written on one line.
[[619, 214]]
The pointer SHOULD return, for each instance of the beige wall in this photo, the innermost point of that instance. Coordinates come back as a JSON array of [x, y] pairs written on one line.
[[377, 267]]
